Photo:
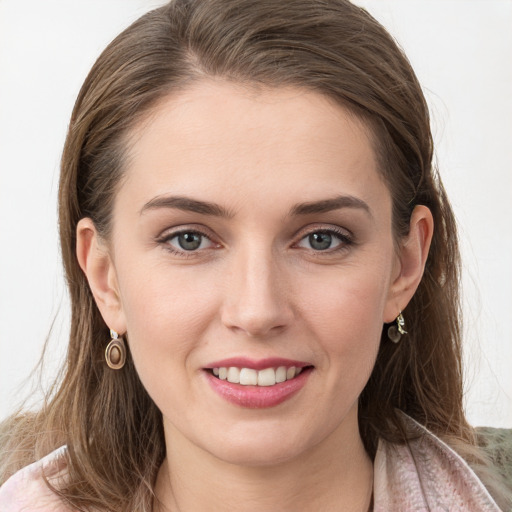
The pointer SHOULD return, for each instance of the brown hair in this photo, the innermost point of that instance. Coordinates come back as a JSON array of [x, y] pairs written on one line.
[[328, 46]]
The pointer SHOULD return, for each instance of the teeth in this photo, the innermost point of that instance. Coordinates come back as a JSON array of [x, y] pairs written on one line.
[[290, 373], [267, 377], [281, 374], [233, 375], [250, 377]]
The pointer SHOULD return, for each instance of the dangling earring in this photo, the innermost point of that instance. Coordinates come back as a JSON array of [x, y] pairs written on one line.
[[395, 331], [115, 353]]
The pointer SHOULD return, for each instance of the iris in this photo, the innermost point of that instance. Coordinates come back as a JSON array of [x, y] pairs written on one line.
[[320, 241], [189, 241]]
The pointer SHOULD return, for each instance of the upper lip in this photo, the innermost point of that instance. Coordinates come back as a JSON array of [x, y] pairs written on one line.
[[257, 364]]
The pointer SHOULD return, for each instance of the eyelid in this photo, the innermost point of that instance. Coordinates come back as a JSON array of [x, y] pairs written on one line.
[[342, 234], [324, 228], [169, 233]]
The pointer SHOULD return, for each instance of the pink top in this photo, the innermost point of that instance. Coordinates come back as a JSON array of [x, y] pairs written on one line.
[[27, 491], [424, 475]]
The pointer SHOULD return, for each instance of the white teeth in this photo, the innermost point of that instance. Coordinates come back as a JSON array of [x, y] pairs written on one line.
[[281, 374], [250, 377], [267, 377], [233, 375]]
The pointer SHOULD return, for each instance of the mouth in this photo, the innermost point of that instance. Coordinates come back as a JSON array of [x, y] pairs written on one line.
[[265, 377], [257, 384]]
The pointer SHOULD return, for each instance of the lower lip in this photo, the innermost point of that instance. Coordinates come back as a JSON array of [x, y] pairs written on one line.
[[258, 397]]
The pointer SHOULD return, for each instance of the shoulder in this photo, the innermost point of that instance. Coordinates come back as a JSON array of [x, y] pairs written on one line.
[[426, 474], [497, 443], [27, 489]]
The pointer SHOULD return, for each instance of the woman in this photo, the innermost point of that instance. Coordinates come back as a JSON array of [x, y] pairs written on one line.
[[263, 274]]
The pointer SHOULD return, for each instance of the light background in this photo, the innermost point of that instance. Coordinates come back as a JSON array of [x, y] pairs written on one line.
[[462, 53]]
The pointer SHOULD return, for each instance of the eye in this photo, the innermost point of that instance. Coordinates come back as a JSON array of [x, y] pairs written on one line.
[[323, 240], [189, 241]]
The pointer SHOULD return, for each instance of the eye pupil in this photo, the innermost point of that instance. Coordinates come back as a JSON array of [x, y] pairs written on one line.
[[189, 241], [320, 241]]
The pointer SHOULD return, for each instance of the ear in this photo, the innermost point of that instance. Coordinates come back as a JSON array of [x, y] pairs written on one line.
[[96, 262], [412, 256]]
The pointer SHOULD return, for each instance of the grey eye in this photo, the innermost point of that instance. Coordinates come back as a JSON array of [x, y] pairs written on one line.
[[189, 241], [320, 241]]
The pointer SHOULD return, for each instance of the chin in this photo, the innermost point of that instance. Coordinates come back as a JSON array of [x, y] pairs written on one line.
[[261, 444], [257, 454]]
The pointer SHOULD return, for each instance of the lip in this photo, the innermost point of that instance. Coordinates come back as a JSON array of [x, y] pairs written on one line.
[[258, 397], [260, 364]]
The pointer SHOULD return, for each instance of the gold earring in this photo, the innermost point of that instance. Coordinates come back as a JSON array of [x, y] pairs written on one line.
[[115, 353], [395, 332]]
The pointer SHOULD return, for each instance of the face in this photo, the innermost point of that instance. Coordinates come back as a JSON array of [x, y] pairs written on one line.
[[252, 239]]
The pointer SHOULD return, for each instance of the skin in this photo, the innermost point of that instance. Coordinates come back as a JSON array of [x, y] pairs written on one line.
[[256, 287]]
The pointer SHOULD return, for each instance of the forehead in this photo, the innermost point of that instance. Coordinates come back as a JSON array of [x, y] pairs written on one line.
[[217, 137]]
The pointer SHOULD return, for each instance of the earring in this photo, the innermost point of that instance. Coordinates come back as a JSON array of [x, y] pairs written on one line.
[[395, 331], [115, 353]]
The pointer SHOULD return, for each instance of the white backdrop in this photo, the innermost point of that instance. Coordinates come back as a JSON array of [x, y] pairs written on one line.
[[462, 53]]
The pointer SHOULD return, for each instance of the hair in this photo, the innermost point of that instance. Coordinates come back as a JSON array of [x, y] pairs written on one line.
[[330, 47]]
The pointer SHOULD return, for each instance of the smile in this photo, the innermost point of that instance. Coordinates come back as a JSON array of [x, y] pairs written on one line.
[[250, 377], [257, 384]]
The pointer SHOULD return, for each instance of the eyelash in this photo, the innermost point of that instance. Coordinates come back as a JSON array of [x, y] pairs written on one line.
[[165, 240], [345, 239]]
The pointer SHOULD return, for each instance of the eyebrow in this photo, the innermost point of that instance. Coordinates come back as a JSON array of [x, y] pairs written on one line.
[[187, 204], [327, 205], [206, 208]]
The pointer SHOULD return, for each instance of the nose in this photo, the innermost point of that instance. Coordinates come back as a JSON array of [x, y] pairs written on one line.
[[257, 299]]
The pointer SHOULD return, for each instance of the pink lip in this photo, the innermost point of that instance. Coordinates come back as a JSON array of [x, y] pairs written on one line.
[[257, 397], [260, 364]]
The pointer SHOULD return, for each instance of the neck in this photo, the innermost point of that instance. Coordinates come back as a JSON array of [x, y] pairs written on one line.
[[336, 474]]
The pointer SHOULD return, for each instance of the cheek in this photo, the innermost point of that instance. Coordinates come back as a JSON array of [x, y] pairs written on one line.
[[346, 318], [166, 313], [167, 316], [350, 344]]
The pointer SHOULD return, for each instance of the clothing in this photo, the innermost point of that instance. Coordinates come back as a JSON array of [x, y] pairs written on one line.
[[423, 475], [497, 443], [27, 491], [426, 475]]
